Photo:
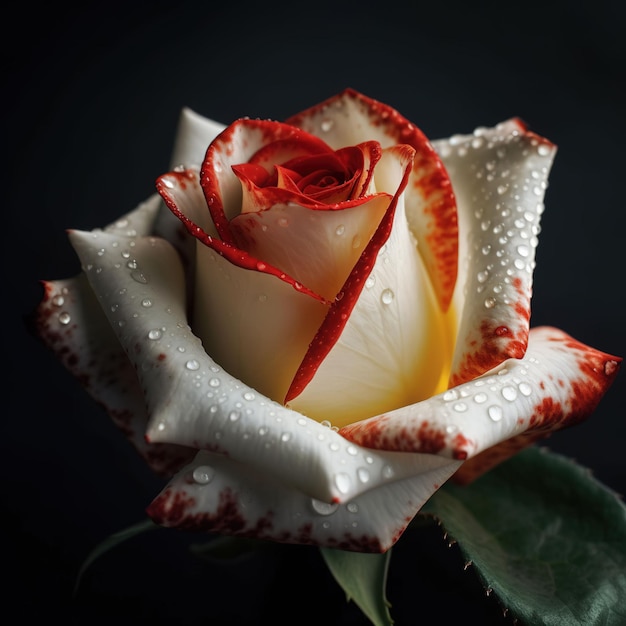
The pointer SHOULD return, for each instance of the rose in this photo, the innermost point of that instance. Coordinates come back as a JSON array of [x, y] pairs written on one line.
[[337, 282]]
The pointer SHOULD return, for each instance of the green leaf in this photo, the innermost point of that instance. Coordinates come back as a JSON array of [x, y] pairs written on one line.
[[363, 577], [111, 542], [545, 536]]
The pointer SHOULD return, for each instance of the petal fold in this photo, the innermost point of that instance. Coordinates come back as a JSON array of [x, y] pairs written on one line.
[[217, 494], [557, 383]]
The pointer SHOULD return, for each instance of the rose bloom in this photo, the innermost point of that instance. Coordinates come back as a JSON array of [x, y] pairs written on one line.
[[330, 321]]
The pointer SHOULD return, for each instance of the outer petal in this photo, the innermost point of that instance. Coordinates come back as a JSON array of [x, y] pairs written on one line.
[[192, 402], [375, 364], [558, 383], [193, 136], [70, 321], [499, 176], [216, 494], [350, 118]]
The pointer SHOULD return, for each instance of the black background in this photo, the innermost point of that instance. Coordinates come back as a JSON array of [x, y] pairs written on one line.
[[91, 102]]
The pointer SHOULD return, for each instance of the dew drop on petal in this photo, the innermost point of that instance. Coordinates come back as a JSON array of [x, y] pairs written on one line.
[[323, 508], [64, 318], [327, 124], [342, 482], [363, 474], [352, 507], [139, 277], [509, 393], [203, 474], [495, 412], [387, 296], [155, 334], [340, 230], [192, 365]]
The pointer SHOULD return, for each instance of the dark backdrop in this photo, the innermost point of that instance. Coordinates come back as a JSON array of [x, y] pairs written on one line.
[[91, 101]]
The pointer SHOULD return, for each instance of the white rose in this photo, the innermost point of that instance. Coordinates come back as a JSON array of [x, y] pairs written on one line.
[[336, 331]]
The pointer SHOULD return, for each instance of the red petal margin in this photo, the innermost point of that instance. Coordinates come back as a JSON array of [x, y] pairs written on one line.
[[558, 384], [177, 183], [429, 198], [340, 310]]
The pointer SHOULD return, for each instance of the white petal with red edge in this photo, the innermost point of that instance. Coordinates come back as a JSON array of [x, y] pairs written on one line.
[[193, 136], [318, 248], [217, 494], [557, 383], [72, 324], [499, 177], [393, 348], [350, 118], [194, 402]]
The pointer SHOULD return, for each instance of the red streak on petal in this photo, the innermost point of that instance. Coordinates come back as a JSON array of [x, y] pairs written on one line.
[[339, 312]]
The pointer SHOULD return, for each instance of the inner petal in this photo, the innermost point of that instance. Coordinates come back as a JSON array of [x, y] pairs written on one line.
[[318, 248]]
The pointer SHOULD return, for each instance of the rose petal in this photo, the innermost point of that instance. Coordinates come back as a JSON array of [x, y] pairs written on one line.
[[317, 248], [350, 118], [70, 321], [193, 136], [217, 494], [499, 176], [557, 383], [374, 365], [193, 402]]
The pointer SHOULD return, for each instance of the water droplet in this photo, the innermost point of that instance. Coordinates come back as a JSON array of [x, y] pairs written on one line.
[[342, 482], [525, 389], [509, 393], [203, 474], [327, 124], [387, 296], [352, 450], [363, 474], [261, 266], [192, 365], [340, 230], [523, 251], [490, 303], [352, 507], [64, 318], [139, 277], [370, 282], [283, 221], [356, 241], [323, 508], [479, 398], [249, 396], [233, 416], [155, 333], [502, 189], [482, 276], [58, 300], [495, 412], [214, 382], [387, 471], [459, 407], [285, 437], [451, 394]]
